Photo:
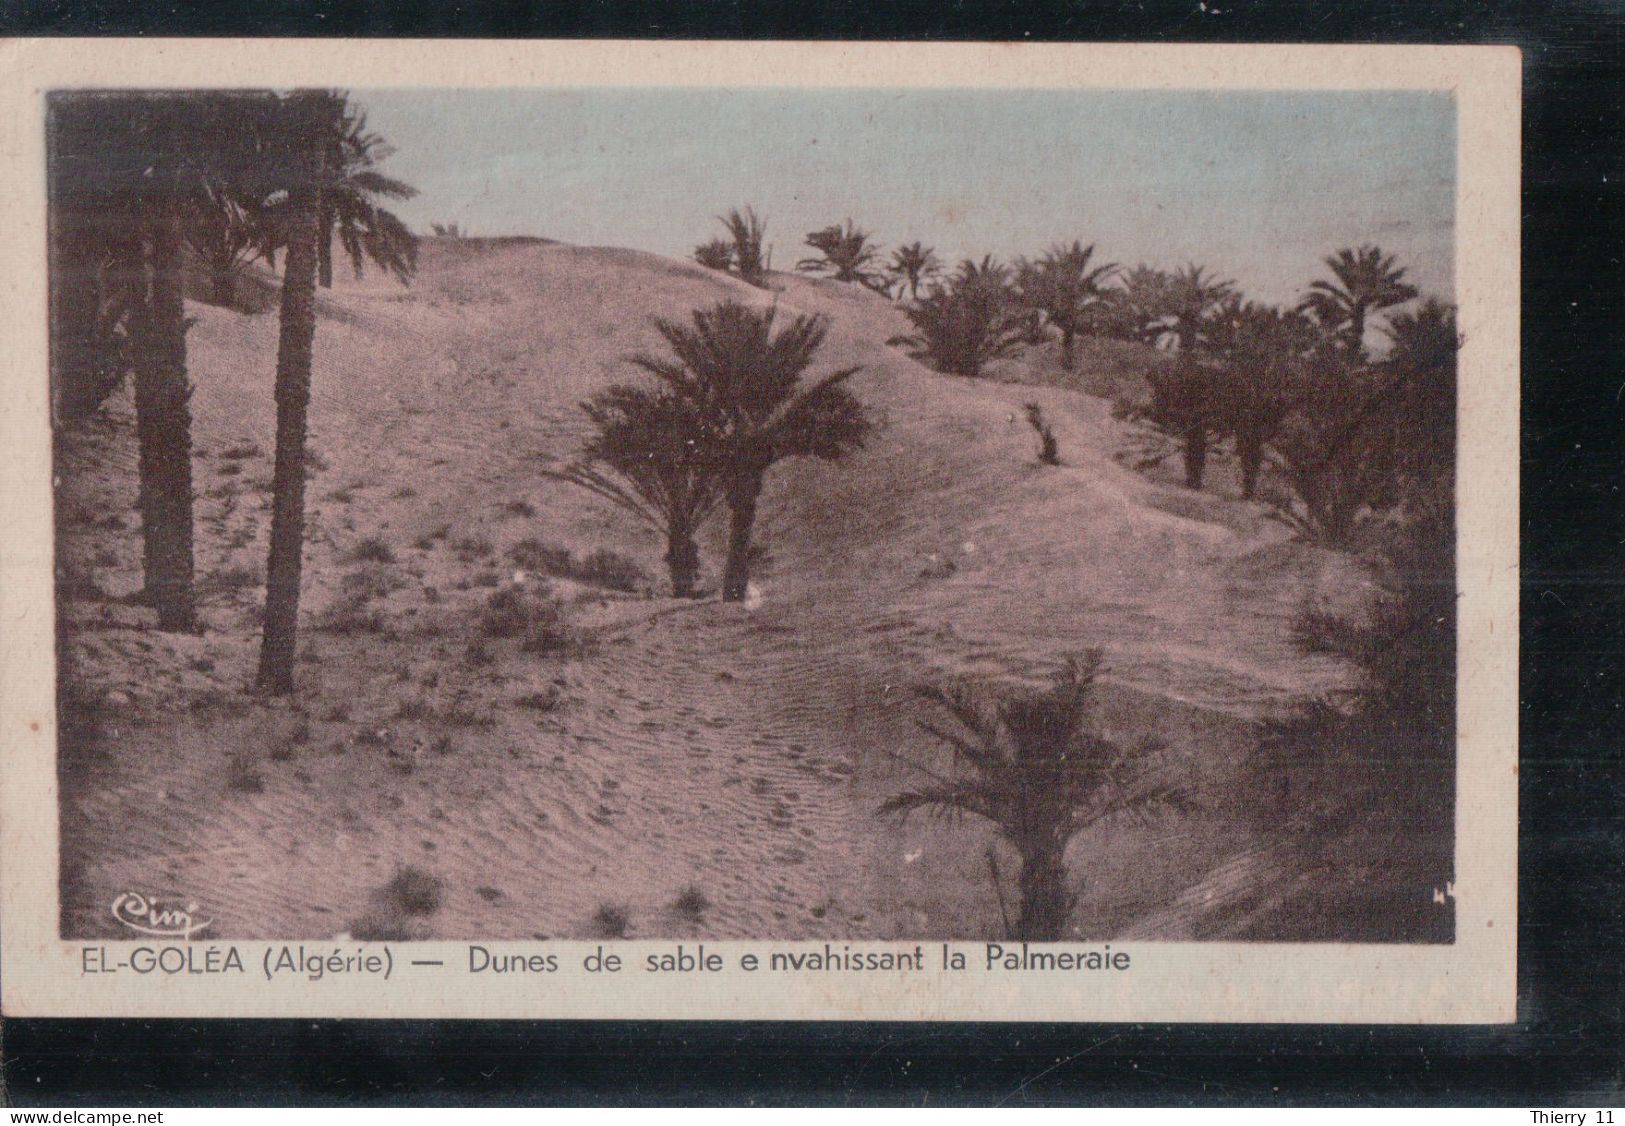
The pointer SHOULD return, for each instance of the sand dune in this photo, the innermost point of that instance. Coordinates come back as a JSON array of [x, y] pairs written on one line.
[[740, 752]]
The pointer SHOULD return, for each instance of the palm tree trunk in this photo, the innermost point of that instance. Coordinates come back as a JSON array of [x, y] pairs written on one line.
[[682, 559], [1250, 452], [1067, 358], [164, 430], [742, 495], [1195, 454], [295, 346], [223, 285], [1044, 898], [324, 247]]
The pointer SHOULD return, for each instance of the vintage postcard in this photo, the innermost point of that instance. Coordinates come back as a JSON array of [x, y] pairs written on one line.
[[724, 530]]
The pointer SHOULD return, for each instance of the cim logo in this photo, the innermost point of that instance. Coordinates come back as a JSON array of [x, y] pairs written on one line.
[[150, 916]]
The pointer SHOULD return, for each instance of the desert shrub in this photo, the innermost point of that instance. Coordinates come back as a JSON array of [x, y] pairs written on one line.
[[243, 774], [544, 558], [612, 920], [691, 902], [550, 634], [975, 319], [353, 610], [520, 508], [415, 891], [230, 578], [543, 701], [718, 254], [537, 618], [373, 580], [393, 916], [611, 570], [1049, 451], [373, 549], [601, 567], [469, 548], [1035, 768], [508, 612]]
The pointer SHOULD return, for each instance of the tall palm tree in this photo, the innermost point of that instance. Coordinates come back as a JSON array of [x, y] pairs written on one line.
[[1067, 290], [1036, 771], [313, 146], [651, 455], [846, 253], [1365, 281], [914, 264], [128, 174], [745, 382]]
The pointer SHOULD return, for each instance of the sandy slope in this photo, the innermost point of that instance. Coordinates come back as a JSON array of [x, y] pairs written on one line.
[[741, 752]]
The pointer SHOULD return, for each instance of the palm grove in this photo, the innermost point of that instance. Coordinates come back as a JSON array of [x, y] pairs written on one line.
[[150, 190], [143, 187]]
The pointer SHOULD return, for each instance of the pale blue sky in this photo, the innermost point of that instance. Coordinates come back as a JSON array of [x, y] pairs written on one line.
[[1259, 186]]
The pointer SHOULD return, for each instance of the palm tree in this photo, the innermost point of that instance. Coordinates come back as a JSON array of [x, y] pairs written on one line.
[[846, 253], [319, 145], [913, 264], [1040, 776], [1261, 351], [651, 455], [1366, 281], [1183, 400], [349, 208], [1067, 290], [126, 172], [1135, 309], [224, 238], [748, 232], [973, 320], [745, 383]]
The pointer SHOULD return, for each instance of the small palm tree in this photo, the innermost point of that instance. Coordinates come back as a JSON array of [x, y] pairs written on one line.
[[748, 233], [913, 265], [744, 382], [967, 324], [1036, 771], [651, 455], [1183, 398], [846, 253], [318, 149], [718, 254], [1365, 281], [224, 237], [1067, 289]]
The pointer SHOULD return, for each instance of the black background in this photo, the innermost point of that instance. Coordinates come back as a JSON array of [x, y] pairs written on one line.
[[1565, 1049]]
